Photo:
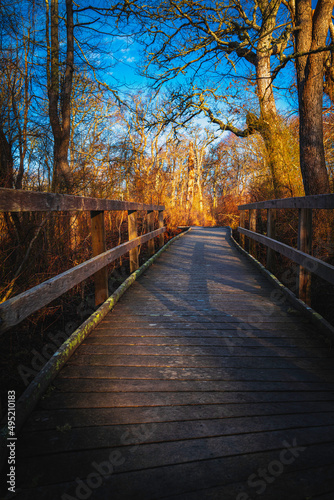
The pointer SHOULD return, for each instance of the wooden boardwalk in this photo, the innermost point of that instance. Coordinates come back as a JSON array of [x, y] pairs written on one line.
[[196, 386]]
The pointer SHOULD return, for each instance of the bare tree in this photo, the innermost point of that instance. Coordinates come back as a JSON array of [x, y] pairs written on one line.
[[59, 91]]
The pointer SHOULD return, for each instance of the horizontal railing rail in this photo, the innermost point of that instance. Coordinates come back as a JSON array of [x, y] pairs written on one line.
[[302, 255], [17, 200], [16, 309], [319, 201]]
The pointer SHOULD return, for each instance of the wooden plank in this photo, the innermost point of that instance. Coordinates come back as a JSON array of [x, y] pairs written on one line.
[[170, 412], [91, 437], [292, 342], [132, 234], [14, 310], [68, 466], [161, 224], [159, 399], [16, 200], [193, 361], [271, 233], [304, 245], [179, 373], [242, 223], [229, 349], [99, 246], [252, 227], [129, 388], [312, 264], [150, 228], [320, 201]]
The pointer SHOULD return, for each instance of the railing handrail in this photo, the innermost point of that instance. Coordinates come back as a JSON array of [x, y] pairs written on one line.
[[16, 309], [19, 200], [320, 201], [302, 256]]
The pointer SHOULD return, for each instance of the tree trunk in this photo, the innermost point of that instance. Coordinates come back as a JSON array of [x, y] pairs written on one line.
[[191, 179], [60, 96], [268, 125], [311, 35]]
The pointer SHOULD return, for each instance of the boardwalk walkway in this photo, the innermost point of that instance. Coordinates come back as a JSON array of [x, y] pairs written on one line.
[[196, 386]]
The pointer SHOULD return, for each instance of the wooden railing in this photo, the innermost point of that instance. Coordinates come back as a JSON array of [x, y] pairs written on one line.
[[14, 310], [301, 255]]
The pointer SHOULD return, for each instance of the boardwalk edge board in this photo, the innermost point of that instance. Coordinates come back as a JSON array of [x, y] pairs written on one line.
[[324, 327], [35, 390]]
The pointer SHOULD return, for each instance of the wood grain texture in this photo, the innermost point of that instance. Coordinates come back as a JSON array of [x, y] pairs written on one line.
[[17, 200], [321, 201], [196, 381]]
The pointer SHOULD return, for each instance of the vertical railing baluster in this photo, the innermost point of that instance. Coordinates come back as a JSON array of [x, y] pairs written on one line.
[[271, 233], [133, 233], [99, 246], [150, 227], [252, 227], [305, 245], [242, 224], [161, 225]]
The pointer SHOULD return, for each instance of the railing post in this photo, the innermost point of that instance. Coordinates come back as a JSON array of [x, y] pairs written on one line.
[[305, 245], [242, 224], [161, 225], [271, 233], [99, 246], [133, 233], [150, 227], [252, 227]]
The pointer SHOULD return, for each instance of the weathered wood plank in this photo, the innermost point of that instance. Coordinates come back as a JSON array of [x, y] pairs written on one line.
[[271, 233], [111, 400], [292, 341], [99, 246], [163, 373], [133, 233], [150, 228], [304, 245], [17, 200], [76, 385], [321, 201], [228, 350], [81, 417], [36, 443], [194, 361], [68, 466]]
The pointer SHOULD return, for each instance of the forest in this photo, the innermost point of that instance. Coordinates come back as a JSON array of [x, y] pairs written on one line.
[[196, 105]]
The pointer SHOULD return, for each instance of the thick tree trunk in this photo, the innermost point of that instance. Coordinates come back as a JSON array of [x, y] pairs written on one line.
[[268, 125], [311, 35], [60, 97]]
